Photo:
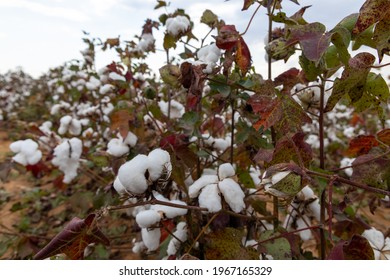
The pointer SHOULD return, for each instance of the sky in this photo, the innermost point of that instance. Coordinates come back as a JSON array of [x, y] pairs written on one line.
[[40, 34]]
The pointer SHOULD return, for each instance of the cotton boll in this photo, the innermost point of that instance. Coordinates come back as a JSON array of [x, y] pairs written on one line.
[[132, 174], [347, 162], [315, 209], [203, 181], [226, 170], [93, 83], [147, 218], [301, 224], [170, 211], [118, 186], [131, 139], [64, 123], [176, 111], [177, 25], [67, 156], [151, 238], [209, 198], [181, 236], [158, 160], [115, 76], [233, 194], [279, 176], [308, 193], [209, 55], [138, 247], [117, 148], [27, 152]]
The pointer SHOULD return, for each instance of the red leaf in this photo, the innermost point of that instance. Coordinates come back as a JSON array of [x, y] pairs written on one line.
[[290, 78], [384, 136], [371, 12], [227, 37], [243, 56], [247, 4], [268, 109], [357, 248], [74, 238], [120, 120], [168, 226], [38, 170], [361, 145]]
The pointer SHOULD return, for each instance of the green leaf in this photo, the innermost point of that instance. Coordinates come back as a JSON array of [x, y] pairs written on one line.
[[169, 42], [364, 38], [312, 71], [278, 247], [382, 37], [189, 121], [247, 4], [245, 178], [209, 18], [341, 39], [160, 4], [352, 81]]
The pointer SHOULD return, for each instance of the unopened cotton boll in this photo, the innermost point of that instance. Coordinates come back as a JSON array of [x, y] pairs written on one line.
[[151, 238], [226, 170], [209, 198], [233, 194], [147, 218]]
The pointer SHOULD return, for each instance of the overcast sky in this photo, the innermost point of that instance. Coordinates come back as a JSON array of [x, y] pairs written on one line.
[[39, 34]]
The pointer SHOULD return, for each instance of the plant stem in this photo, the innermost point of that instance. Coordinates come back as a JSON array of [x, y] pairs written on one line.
[[250, 21], [321, 124], [322, 231]]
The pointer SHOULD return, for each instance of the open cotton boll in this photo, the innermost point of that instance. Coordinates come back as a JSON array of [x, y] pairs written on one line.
[[69, 124], [118, 186], [347, 162], [308, 192], [181, 236], [67, 156], [116, 76], [204, 180], [171, 211], [301, 224], [117, 148], [147, 218], [131, 139], [378, 242], [93, 83], [209, 55], [279, 176], [146, 42], [176, 111], [177, 25], [226, 170], [132, 174], [159, 160], [233, 194], [151, 238], [106, 89], [27, 152], [209, 198]]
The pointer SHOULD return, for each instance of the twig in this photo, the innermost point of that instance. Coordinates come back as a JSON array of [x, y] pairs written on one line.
[[250, 21]]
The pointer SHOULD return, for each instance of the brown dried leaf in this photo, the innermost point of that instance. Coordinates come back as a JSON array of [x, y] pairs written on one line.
[[120, 120], [243, 56], [361, 145]]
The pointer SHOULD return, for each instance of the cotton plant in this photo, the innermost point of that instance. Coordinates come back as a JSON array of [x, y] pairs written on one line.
[[135, 176], [176, 109], [209, 189], [67, 158], [27, 152], [209, 55], [119, 146], [378, 242], [301, 211]]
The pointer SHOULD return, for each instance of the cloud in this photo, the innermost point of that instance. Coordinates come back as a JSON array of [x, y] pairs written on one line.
[[47, 10]]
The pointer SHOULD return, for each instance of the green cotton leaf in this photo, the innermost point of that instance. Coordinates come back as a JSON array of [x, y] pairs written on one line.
[[382, 37], [341, 38], [311, 70], [312, 38], [278, 247], [364, 38], [376, 91], [371, 12], [160, 4], [289, 185], [189, 121], [209, 18], [247, 4], [169, 42], [348, 22], [332, 59], [352, 81], [245, 179]]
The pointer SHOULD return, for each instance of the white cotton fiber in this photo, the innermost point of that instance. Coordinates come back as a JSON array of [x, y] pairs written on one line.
[[209, 55], [67, 156], [131, 139], [209, 198], [115, 76], [158, 159], [203, 181], [171, 212], [119, 187], [117, 148], [301, 224], [27, 152], [147, 218], [279, 176], [132, 174], [106, 89], [233, 194], [177, 25], [181, 236], [226, 170], [151, 238]]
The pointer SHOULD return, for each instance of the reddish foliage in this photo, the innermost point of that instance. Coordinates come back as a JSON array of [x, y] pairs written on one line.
[[227, 37], [361, 145]]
